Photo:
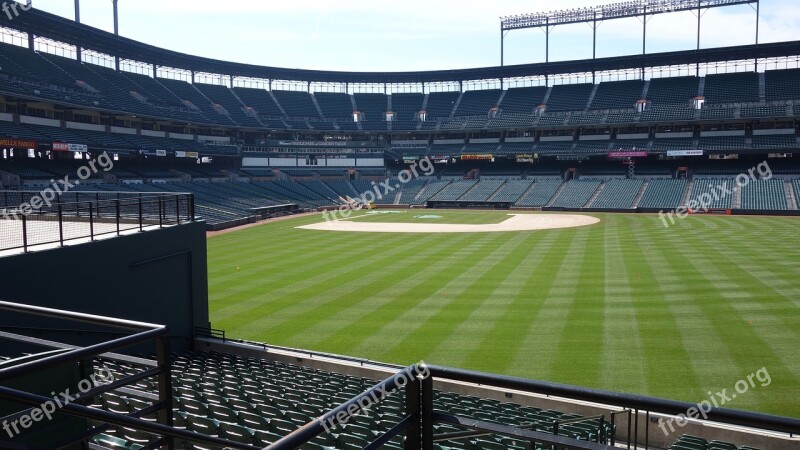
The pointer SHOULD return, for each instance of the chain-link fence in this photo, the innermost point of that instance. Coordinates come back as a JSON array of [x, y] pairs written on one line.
[[28, 220]]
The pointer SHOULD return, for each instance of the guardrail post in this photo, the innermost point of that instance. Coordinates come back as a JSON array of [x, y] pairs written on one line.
[[91, 221], [555, 432], [25, 233], [165, 386], [160, 211], [414, 428], [630, 419], [601, 432], [141, 218], [427, 413], [191, 207], [61, 224], [116, 205]]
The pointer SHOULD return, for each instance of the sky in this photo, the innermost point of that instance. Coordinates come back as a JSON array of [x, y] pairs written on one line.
[[411, 35]]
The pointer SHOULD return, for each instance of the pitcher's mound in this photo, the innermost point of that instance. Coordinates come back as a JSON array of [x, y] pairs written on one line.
[[517, 222]]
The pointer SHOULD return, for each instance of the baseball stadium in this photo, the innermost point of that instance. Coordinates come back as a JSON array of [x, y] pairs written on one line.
[[562, 254]]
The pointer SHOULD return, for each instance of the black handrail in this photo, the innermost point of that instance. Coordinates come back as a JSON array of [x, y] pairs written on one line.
[[161, 369], [119, 419], [630, 401], [124, 212], [310, 353], [347, 409], [629, 404]]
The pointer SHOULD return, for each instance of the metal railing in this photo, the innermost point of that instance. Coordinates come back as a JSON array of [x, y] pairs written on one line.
[[632, 414], [631, 405], [417, 423], [26, 221], [138, 332]]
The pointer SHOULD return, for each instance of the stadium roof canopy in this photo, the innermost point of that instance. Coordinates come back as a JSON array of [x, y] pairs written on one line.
[[65, 30]]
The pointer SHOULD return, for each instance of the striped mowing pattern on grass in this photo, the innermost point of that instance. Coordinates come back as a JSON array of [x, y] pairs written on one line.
[[625, 305]]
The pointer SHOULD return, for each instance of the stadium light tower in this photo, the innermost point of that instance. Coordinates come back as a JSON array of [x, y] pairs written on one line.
[[116, 28], [78, 20], [116, 16], [644, 10], [115, 6]]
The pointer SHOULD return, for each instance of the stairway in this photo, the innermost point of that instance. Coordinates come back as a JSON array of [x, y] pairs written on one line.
[[736, 203], [591, 96], [596, 194], [546, 96], [791, 199], [421, 191], [243, 105], [558, 193], [316, 105], [277, 103], [646, 89], [397, 197], [686, 195], [640, 195], [458, 102], [474, 187], [498, 191], [527, 191]]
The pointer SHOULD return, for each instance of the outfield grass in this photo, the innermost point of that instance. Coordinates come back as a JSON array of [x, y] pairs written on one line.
[[626, 305]]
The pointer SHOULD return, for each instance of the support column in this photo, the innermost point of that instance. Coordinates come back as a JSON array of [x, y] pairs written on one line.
[[78, 20], [116, 28], [502, 45], [699, 19]]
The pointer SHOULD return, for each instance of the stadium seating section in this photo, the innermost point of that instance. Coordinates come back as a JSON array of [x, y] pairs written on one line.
[[618, 94], [713, 192], [478, 102], [453, 191], [64, 80], [575, 194], [618, 194], [540, 194], [765, 194], [569, 97], [672, 91], [732, 88], [441, 104], [663, 194], [729, 97], [687, 442], [782, 84], [523, 100], [254, 401]]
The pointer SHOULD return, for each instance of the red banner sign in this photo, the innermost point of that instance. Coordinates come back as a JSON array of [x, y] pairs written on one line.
[[637, 154], [476, 157]]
